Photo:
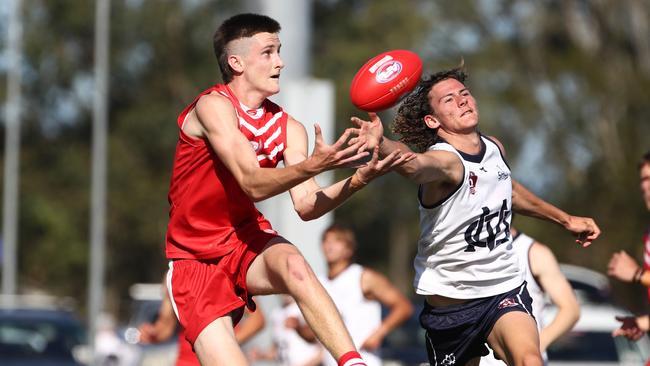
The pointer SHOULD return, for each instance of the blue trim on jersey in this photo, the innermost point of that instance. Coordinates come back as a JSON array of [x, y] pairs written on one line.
[[500, 152], [474, 158]]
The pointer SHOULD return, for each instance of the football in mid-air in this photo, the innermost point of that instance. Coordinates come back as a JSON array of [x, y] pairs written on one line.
[[385, 79]]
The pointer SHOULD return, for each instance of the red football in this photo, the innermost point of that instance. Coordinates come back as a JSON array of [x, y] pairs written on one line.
[[385, 79]]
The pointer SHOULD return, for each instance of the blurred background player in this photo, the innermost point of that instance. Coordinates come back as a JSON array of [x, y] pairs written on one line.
[[221, 249], [624, 268], [543, 277], [289, 347], [359, 294]]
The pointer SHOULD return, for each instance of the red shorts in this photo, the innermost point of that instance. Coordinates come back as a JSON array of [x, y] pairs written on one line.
[[202, 291]]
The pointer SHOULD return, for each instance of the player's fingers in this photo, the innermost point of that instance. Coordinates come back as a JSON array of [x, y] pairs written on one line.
[[353, 159], [345, 136], [409, 156], [318, 134], [617, 332], [357, 121], [401, 160], [375, 155], [374, 117]]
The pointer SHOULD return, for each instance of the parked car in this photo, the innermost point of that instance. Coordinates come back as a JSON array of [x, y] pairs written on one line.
[[591, 287], [590, 342], [38, 333]]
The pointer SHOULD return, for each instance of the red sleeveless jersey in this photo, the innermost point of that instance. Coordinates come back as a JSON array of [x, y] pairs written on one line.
[[209, 213]]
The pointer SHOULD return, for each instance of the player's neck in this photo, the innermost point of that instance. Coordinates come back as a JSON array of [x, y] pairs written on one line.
[[246, 95], [337, 268], [466, 142]]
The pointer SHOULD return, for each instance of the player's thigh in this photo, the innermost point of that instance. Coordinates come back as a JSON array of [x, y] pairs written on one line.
[[216, 345], [270, 270], [514, 338]]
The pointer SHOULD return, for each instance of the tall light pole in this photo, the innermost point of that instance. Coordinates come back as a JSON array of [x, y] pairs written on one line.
[[98, 180], [12, 150]]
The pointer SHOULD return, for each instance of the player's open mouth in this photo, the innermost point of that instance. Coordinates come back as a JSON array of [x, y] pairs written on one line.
[[275, 76], [467, 112]]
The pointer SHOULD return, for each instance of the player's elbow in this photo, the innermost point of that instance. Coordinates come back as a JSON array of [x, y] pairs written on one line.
[[306, 214]]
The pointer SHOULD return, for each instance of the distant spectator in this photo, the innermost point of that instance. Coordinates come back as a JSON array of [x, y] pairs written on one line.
[[624, 268]]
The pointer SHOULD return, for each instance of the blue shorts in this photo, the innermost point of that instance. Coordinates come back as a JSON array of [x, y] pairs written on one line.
[[456, 334]]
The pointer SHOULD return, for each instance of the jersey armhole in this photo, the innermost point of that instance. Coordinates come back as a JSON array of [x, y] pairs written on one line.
[[444, 199]]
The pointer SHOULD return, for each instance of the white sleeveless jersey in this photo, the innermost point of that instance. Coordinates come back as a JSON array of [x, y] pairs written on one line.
[[360, 315], [293, 350], [465, 248]]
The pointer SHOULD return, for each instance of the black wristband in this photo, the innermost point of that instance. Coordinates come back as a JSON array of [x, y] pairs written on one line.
[[638, 275]]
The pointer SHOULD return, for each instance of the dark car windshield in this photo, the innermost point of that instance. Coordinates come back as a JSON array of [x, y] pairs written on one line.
[[593, 346]]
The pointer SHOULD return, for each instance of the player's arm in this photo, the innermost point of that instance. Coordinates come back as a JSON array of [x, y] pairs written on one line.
[[526, 203], [624, 268], [546, 270], [217, 121], [376, 286], [164, 326], [250, 326], [312, 201], [427, 167]]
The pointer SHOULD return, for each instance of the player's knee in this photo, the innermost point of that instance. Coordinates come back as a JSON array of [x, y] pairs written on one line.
[[532, 358], [298, 270]]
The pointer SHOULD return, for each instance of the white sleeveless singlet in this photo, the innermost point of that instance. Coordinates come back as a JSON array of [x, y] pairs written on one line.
[[465, 249], [360, 315]]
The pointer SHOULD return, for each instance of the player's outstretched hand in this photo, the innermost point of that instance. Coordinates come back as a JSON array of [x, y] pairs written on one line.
[[377, 167], [584, 228], [340, 154], [370, 131], [622, 267], [147, 333], [632, 328]]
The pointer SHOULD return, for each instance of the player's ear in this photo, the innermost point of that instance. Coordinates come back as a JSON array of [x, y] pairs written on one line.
[[236, 63], [431, 121]]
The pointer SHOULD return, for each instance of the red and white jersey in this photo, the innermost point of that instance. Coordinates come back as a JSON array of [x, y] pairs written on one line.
[[209, 212]]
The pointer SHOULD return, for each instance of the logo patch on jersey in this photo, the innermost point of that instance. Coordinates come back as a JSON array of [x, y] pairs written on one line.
[[502, 175], [449, 360], [472, 179], [508, 302], [497, 233]]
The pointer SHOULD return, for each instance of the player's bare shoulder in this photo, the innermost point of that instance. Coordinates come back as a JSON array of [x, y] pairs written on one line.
[[210, 111], [447, 164]]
